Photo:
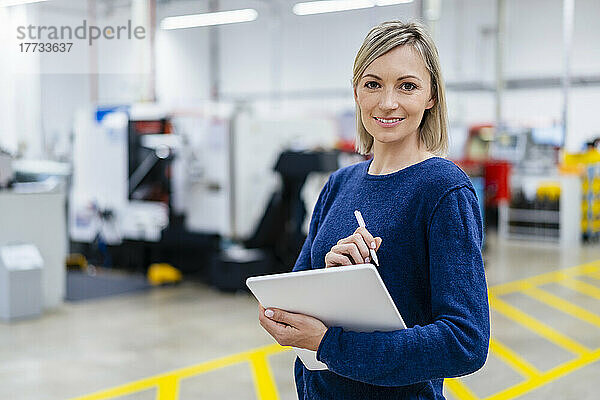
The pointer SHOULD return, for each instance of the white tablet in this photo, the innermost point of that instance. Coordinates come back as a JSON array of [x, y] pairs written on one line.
[[353, 297]]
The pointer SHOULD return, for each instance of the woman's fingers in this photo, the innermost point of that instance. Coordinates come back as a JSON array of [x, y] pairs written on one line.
[[350, 249], [362, 245], [335, 260], [358, 240], [291, 329], [354, 249], [367, 237]]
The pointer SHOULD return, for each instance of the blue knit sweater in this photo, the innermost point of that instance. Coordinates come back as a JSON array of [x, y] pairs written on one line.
[[430, 261]]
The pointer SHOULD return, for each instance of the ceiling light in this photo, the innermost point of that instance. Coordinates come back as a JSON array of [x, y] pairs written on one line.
[[325, 6], [319, 7], [208, 19], [8, 3], [391, 2]]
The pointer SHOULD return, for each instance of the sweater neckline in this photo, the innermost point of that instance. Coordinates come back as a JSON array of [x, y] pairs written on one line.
[[396, 173]]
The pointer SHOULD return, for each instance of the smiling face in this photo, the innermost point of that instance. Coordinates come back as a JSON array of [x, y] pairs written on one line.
[[393, 93]]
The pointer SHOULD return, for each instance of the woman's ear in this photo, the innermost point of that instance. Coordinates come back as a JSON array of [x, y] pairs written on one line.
[[355, 95], [430, 103]]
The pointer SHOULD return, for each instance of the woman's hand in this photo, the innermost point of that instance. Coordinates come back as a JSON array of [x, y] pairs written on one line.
[[353, 249], [290, 329]]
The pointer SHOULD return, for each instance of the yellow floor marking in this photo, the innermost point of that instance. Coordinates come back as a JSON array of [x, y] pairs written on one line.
[[226, 361], [123, 390], [563, 305], [167, 384], [459, 390], [547, 377], [542, 279], [517, 362], [582, 287], [148, 383], [168, 388], [264, 384], [594, 274], [536, 326]]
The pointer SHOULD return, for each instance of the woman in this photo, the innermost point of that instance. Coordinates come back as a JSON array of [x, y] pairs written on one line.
[[424, 213]]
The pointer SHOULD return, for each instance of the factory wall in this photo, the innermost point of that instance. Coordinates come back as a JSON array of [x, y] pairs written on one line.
[[20, 112], [314, 55], [310, 60]]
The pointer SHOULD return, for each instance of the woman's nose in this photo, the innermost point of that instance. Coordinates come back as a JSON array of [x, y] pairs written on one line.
[[388, 101]]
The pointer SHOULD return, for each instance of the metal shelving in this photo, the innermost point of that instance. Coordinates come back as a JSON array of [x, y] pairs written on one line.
[[562, 225]]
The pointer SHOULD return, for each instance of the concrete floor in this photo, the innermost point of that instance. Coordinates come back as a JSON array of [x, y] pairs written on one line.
[[89, 346]]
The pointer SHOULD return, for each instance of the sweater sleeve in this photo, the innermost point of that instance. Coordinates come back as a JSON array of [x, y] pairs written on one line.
[[456, 342], [303, 262]]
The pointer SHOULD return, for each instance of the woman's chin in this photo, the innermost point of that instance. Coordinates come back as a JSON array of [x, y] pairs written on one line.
[[390, 137], [386, 138]]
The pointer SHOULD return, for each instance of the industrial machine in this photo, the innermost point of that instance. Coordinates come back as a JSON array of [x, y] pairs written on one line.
[[195, 188], [121, 209]]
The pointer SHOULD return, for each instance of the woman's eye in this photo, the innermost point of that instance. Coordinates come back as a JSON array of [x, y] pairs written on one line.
[[371, 85], [408, 86]]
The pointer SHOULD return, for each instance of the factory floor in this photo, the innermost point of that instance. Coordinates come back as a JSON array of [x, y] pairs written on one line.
[[192, 342]]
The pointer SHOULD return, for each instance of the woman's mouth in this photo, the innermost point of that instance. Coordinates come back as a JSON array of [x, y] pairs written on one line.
[[388, 122]]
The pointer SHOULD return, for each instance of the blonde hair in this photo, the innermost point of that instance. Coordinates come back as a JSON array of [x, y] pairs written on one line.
[[384, 37]]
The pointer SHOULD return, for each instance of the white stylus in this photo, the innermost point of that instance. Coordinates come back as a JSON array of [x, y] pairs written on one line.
[[361, 223]]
